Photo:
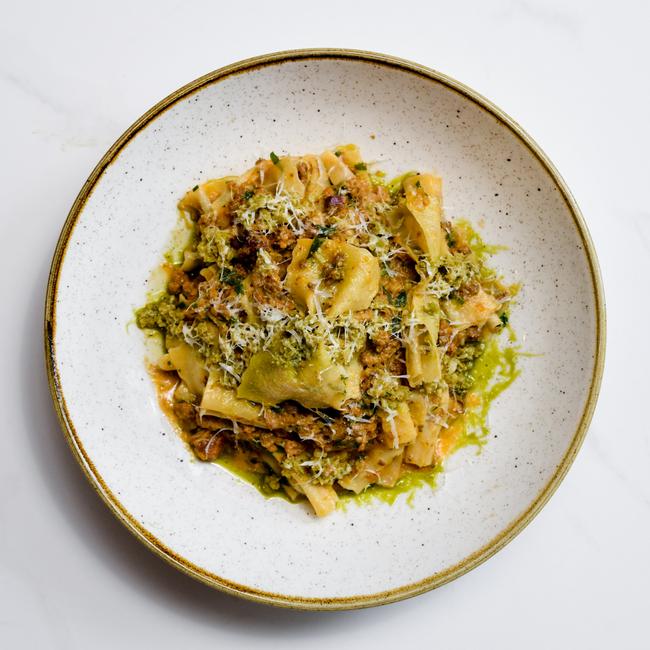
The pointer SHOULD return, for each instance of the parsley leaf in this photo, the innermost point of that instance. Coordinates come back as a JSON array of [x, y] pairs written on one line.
[[361, 167], [400, 300], [232, 278], [274, 159], [451, 241], [249, 194], [323, 233]]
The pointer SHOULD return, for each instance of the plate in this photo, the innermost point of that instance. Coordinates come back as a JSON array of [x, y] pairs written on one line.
[[208, 522]]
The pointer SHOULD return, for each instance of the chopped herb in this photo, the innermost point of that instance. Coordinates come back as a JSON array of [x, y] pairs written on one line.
[[323, 233], [400, 301], [232, 278], [361, 167], [503, 318], [418, 184], [249, 194], [196, 187], [315, 245], [396, 324], [274, 159], [337, 153], [451, 240]]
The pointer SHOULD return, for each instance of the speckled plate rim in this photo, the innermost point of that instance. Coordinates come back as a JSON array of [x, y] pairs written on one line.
[[149, 540]]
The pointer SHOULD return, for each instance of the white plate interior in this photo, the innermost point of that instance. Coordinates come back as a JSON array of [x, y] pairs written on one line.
[[212, 519]]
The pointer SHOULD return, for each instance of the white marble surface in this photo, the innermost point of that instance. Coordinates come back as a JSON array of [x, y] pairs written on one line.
[[74, 76]]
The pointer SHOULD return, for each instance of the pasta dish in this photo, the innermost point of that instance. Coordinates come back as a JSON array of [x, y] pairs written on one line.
[[323, 326]]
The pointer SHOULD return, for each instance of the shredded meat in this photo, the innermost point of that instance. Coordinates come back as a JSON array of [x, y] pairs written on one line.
[[468, 289], [206, 444], [180, 282], [284, 238], [464, 336], [384, 353], [212, 423], [334, 271], [248, 243], [267, 289], [452, 343], [402, 274], [303, 170], [186, 415], [364, 192], [293, 448], [444, 332]]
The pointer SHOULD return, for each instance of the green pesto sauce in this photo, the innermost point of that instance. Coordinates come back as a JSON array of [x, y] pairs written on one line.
[[476, 243], [493, 372], [395, 184], [255, 479], [407, 484]]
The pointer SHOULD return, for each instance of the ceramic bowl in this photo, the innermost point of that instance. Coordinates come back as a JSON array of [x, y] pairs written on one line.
[[208, 522]]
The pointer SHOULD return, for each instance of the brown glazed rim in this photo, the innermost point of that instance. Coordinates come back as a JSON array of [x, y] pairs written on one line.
[[167, 553]]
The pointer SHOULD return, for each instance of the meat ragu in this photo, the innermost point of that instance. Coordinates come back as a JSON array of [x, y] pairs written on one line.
[[323, 324]]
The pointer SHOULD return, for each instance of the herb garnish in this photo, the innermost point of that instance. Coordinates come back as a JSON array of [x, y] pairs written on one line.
[[232, 278], [323, 233]]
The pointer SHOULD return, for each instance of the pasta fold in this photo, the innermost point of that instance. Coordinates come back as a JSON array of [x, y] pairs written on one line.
[[398, 427], [223, 402], [317, 179], [420, 332], [290, 180], [336, 168], [334, 279], [317, 383], [422, 451], [323, 498], [380, 465], [421, 226], [189, 366], [475, 310]]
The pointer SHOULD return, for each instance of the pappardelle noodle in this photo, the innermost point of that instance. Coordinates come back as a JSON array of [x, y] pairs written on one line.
[[321, 324]]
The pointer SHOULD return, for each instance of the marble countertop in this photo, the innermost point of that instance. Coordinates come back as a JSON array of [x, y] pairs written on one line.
[[74, 76]]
